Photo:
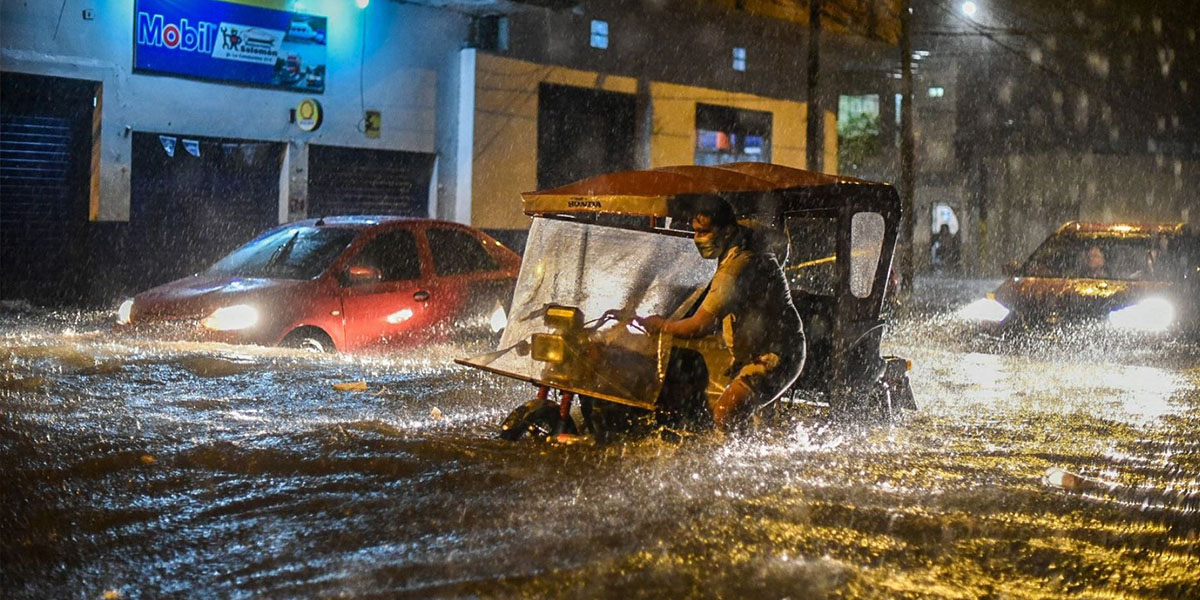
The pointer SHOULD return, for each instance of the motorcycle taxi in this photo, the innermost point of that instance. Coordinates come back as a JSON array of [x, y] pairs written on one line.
[[605, 249]]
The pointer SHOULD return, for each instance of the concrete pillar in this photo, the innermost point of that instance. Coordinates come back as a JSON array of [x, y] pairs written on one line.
[[293, 184], [644, 125], [465, 145]]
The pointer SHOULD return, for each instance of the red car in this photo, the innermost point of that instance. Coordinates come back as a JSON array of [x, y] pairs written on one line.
[[340, 283]]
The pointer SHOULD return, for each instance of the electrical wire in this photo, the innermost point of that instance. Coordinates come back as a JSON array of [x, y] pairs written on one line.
[[61, 10], [1113, 96], [361, 126]]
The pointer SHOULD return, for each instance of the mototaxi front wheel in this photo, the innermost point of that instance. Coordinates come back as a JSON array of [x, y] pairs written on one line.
[[539, 418]]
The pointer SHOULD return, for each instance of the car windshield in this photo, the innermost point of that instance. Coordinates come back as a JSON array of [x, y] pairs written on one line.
[[1100, 257], [292, 253]]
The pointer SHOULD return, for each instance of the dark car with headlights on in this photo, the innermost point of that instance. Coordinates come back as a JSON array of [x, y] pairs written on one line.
[[339, 283], [1117, 277]]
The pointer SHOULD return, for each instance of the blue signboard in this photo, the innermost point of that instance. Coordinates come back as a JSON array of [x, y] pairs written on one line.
[[208, 39]]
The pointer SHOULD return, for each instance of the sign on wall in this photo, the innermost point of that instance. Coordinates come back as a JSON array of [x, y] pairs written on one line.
[[224, 41], [308, 115]]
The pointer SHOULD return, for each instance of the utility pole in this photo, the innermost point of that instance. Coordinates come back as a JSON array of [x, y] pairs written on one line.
[[815, 128], [907, 151]]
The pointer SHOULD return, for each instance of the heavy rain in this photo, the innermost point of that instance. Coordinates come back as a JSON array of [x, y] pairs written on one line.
[[332, 299]]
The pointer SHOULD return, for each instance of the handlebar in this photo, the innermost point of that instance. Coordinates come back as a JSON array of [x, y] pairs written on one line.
[[620, 315]]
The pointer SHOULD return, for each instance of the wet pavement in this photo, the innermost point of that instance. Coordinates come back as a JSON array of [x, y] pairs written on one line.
[[137, 468]]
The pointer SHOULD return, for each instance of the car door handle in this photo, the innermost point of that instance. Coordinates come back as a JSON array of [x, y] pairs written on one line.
[[421, 296]]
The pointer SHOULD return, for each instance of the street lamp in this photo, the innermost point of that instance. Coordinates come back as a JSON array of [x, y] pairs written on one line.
[[969, 8]]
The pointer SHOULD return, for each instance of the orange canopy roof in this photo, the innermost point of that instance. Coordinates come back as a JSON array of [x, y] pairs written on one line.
[[647, 192]]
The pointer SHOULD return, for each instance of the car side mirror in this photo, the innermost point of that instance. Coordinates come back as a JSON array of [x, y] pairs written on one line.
[[361, 274], [1011, 268]]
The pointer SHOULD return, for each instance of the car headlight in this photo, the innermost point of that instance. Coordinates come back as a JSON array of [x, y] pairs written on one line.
[[984, 309], [1151, 314], [231, 318], [125, 312]]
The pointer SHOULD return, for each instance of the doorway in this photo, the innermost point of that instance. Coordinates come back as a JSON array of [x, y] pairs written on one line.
[[193, 199], [945, 243], [46, 149]]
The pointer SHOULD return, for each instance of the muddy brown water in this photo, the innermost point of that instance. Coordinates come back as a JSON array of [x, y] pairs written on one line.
[[136, 468]]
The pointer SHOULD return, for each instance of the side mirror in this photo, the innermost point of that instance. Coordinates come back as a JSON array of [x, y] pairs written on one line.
[[1011, 268], [361, 274]]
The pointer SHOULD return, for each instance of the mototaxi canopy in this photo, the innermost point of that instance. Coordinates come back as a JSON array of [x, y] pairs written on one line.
[[751, 188]]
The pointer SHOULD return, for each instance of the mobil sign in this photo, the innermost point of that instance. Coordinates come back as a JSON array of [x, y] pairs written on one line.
[[224, 41]]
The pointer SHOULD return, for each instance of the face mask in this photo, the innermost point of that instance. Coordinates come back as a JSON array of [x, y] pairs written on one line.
[[709, 246]]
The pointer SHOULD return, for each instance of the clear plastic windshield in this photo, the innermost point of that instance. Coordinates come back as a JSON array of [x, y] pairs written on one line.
[[598, 269]]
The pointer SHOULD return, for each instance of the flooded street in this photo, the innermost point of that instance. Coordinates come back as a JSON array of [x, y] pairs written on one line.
[[138, 468]]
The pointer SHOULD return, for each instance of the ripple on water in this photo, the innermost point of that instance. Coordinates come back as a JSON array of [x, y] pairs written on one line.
[[241, 472]]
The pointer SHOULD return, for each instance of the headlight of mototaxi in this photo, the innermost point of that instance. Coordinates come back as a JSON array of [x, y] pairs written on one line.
[[549, 348], [984, 309], [1151, 314], [125, 312], [231, 318]]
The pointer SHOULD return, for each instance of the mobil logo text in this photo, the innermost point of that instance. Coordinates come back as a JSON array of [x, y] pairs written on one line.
[[154, 30]]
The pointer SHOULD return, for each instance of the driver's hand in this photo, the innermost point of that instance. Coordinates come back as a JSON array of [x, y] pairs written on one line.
[[652, 323], [611, 314]]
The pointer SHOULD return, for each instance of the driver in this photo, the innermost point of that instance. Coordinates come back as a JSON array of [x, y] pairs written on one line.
[[749, 297], [1094, 264]]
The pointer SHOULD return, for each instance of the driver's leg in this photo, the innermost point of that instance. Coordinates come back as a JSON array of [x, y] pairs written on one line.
[[757, 383], [733, 406], [736, 404]]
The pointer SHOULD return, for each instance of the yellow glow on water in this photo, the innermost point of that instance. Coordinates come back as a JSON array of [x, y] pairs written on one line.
[[1130, 393]]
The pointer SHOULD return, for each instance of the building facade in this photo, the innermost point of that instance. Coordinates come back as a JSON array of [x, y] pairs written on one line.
[[142, 139]]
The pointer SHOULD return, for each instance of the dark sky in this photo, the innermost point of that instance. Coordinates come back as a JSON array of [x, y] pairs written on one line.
[[1114, 75]]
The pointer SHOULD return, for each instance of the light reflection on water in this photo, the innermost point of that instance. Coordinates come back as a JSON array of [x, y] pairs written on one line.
[[162, 468]]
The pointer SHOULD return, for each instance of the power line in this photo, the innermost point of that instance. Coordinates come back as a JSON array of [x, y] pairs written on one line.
[[1119, 100]]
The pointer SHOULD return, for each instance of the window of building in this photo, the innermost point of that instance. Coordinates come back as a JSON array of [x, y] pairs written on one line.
[[725, 134], [850, 107], [937, 92], [599, 34], [858, 129], [739, 59]]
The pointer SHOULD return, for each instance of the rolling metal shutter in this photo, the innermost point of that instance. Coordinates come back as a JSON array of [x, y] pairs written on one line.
[[36, 188], [357, 181]]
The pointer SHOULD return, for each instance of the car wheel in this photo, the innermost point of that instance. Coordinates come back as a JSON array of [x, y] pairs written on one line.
[[309, 338]]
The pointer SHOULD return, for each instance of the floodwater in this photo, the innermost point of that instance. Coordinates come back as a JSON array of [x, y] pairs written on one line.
[[136, 468]]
